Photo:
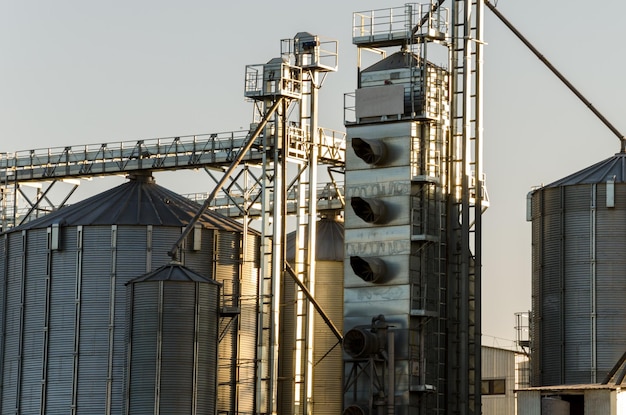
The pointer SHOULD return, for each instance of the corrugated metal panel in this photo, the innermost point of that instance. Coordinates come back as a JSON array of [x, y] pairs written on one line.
[[577, 280], [201, 261], [248, 325], [552, 289], [611, 263], [60, 374], [163, 238], [94, 319], [144, 346], [528, 403], [328, 367], [536, 286], [13, 327], [600, 401], [208, 304], [4, 265], [287, 342], [34, 318], [177, 350]]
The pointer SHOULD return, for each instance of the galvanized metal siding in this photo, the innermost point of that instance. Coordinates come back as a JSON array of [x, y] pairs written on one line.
[[177, 350], [173, 347], [499, 364], [201, 261], [4, 264], [327, 355], [60, 365], [577, 280], [248, 325], [144, 343], [600, 402], [227, 266], [611, 279], [34, 319], [207, 340], [13, 327], [536, 286], [93, 348], [162, 240], [287, 342], [529, 403], [551, 288]]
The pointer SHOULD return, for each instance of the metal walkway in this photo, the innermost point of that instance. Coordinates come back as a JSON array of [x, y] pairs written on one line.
[[159, 154], [47, 166]]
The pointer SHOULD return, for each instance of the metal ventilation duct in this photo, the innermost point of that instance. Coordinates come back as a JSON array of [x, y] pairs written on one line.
[[369, 269], [370, 151], [369, 209]]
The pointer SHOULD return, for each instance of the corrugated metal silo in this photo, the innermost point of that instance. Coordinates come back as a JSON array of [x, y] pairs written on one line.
[[579, 275], [64, 297], [172, 342], [327, 357]]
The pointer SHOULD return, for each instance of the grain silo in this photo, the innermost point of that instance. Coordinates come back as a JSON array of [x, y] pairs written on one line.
[[327, 377], [63, 295], [579, 275], [173, 320]]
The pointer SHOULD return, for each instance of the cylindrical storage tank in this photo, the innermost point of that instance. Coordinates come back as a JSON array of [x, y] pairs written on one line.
[[172, 342], [579, 275], [327, 376], [64, 302]]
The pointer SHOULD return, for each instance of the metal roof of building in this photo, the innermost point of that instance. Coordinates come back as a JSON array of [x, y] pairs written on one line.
[[140, 201], [612, 168], [329, 241], [174, 271]]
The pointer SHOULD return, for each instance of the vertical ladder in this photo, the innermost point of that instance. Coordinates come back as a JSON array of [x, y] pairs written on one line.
[[465, 207]]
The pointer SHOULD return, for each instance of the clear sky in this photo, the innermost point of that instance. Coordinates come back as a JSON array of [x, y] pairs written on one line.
[[78, 72]]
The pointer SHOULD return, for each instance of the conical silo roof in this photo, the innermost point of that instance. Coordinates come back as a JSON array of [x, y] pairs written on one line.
[[612, 168], [329, 241], [140, 201], [174, 271], [397, 60]]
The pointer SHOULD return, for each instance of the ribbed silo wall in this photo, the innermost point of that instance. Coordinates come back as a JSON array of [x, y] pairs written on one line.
[[578, 281], [65, 312], [327, 376], [173, 347], [236, 264], [327, 355]]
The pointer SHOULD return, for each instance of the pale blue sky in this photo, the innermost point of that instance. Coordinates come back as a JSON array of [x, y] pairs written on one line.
[[77, 72]]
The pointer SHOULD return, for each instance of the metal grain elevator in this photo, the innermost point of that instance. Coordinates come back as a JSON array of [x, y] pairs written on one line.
[[414, 197]]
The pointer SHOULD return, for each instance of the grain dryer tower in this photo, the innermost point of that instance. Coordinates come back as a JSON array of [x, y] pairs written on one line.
[[412, 222], [578, 275]]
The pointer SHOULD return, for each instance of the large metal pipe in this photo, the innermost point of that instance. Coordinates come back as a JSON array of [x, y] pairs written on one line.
[[558, 74], [227, 174]]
